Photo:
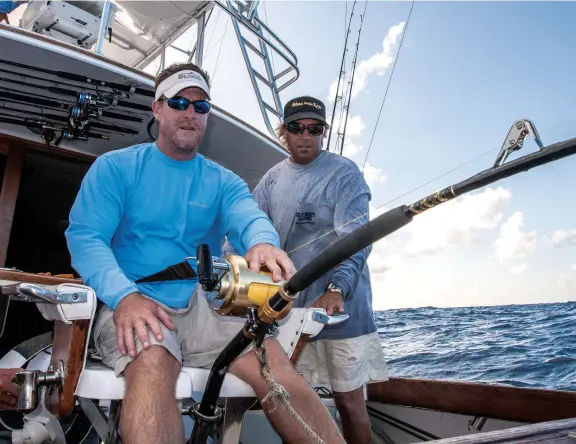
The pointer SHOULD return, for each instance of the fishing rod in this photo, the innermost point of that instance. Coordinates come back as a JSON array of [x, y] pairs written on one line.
[[54, 104], [48, 129], [100, 123], [84, 79], [262, 319], [60, 83], [100, 99], [59, 118]]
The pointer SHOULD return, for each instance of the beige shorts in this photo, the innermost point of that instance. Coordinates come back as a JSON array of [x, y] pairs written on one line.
[[344, 364], [199, 336]]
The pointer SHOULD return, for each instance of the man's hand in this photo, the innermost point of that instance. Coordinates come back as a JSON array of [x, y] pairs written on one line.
[[8, 390], [275, 259], [330, 301], [132, 315]]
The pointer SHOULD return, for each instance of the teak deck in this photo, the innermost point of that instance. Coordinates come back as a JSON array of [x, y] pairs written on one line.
[[556, 432]]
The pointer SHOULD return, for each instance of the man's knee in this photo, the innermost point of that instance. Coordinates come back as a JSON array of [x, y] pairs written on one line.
[[156, 363], [350, 403]]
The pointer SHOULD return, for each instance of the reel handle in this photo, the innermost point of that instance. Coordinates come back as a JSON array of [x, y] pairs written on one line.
[[205, 264]]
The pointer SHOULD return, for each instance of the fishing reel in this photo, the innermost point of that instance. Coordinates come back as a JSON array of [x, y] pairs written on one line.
[[232, 289], [86, 99], [87, 107]]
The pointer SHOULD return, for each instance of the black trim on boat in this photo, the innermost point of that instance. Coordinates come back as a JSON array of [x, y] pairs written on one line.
[[399, 424]]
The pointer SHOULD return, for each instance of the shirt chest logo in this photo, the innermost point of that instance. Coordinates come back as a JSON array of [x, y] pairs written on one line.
[[305, 217]]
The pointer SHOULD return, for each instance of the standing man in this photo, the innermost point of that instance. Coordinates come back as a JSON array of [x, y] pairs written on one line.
[[143, 208], [315, 198]]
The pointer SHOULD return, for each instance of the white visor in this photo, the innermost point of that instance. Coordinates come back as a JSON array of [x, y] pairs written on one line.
[[179, 81]]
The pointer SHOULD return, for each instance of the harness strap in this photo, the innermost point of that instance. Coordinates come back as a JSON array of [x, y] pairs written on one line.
[[176, 272]]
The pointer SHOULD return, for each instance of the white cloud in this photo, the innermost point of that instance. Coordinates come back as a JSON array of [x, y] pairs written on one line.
[[350, 148], [377, 263], [378, 63], [513, 243], [573, 268], [562, 238], [457, 222], [519, 269], [374, 176], [355, 126]]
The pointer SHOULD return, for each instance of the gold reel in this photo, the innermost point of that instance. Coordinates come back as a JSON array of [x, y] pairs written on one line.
[[241, 288]]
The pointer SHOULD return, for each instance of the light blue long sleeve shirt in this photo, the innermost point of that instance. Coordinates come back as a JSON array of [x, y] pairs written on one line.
[[139, 211]]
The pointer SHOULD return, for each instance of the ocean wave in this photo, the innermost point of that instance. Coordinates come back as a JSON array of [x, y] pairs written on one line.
[[518, 345]]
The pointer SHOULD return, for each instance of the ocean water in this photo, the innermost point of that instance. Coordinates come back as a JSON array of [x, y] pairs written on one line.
[[518, 345]]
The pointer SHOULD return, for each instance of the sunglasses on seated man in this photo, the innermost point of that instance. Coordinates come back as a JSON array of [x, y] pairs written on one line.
[[182, 104], [315, 129]]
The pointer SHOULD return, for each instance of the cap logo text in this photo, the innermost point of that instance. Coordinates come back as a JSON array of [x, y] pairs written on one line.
[[190, 75], [315, 105]]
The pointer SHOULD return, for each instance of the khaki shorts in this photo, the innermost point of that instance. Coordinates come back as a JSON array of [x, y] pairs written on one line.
[[199, 336], [344, 364]]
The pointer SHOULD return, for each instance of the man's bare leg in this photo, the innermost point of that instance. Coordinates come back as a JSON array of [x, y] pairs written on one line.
[[355, 420], [302, 398], [150, 412]]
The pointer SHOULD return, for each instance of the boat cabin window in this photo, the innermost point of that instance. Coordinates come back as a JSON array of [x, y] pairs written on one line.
[[48, 187]]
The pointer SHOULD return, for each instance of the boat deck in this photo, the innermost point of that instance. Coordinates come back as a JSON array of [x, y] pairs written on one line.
[[557, 432]]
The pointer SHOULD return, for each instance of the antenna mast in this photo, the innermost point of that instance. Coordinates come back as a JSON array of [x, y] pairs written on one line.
[[340, 76], [351, 83]]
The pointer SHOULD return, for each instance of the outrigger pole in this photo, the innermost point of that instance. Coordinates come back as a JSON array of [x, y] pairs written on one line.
[[258, 324]]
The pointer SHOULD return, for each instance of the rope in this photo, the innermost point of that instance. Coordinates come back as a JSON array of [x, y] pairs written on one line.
[[279, 392]]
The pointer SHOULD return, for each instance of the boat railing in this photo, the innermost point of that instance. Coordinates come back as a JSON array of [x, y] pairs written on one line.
[[246, 14]]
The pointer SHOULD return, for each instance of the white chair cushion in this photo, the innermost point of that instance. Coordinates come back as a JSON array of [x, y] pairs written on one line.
[[99, 382], [233, 387]]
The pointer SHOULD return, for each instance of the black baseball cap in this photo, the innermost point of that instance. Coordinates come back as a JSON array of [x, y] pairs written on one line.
[[304, 107]]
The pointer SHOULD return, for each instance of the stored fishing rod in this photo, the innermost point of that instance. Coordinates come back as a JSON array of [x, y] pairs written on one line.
[[99, 99], [260, 322], [18, 96], [48, 129], [83, 79], [60, 83], [100, 123], [59, 118]]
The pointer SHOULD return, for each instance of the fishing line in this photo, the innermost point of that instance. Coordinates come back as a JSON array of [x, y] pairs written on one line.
[[388, 85], [271, 52], [220, 50], [398, 197], [557, 125]]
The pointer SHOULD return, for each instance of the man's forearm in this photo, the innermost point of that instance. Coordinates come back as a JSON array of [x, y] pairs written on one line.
[[347, 274]]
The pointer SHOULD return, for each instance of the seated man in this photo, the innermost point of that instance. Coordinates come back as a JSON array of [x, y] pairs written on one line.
[[148, 206]]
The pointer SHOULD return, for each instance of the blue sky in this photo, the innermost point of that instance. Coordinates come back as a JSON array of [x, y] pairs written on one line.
[[465, 73]]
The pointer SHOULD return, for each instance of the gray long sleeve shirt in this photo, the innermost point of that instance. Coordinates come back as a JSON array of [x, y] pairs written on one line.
[[328, 195]]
